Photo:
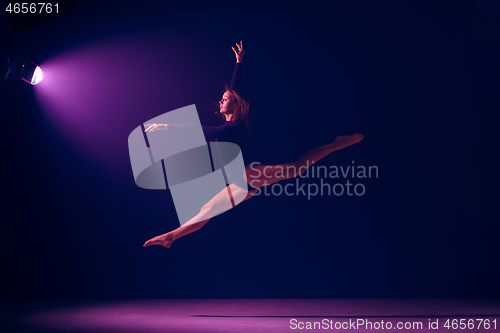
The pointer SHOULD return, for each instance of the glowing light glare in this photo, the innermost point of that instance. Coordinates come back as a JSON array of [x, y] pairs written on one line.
[[37, 76], [28, 71]]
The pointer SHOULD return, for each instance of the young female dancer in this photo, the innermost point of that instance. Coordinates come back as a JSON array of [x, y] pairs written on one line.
[[236, 129]]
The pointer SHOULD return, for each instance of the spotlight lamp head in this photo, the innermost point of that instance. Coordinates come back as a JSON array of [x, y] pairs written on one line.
[[25, 70], [31, 73]]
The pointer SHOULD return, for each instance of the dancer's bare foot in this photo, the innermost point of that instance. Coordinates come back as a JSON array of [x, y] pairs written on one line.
[[164, 240], [345, 141]]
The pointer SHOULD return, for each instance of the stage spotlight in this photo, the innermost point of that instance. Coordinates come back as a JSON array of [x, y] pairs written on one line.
[[27, 71]]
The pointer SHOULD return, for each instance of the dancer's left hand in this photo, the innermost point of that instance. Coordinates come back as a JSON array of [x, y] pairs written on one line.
[[240, 53]]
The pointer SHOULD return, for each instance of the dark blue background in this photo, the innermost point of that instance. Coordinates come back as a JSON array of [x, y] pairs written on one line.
[[420, 79]]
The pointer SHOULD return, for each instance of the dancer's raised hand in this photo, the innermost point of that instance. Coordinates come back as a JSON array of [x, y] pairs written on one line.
[[240, 53]]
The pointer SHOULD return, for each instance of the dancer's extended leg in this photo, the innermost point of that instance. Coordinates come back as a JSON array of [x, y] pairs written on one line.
[[263, 175], [216, 205], [258, 176]]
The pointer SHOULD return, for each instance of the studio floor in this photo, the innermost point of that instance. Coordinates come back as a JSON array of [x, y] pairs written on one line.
[[249, 315]]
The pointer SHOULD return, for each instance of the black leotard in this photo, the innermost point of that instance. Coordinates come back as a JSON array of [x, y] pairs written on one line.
[[230, 131]]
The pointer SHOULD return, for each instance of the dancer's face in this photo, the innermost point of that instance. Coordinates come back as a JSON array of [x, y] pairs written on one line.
[[226, 104]]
